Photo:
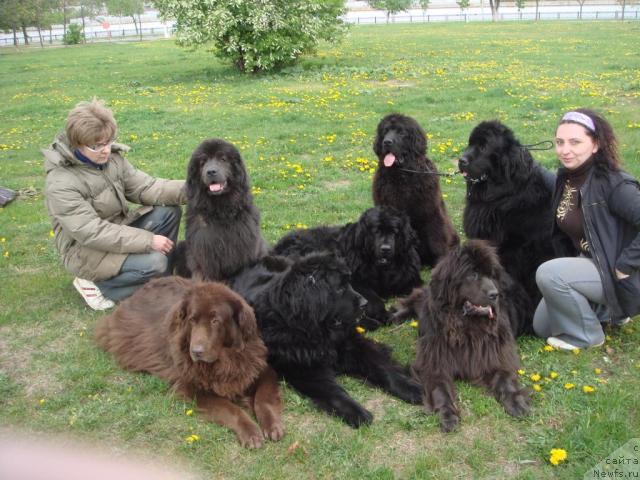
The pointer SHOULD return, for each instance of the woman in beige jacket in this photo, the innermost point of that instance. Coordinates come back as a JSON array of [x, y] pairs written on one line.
[[111, 250]]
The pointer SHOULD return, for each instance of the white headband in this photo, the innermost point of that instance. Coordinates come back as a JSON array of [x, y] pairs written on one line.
[[581, 118]]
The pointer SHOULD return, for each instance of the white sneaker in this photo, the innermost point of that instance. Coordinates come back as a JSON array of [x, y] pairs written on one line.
[[556, 342], [622, 322], [92, 294]]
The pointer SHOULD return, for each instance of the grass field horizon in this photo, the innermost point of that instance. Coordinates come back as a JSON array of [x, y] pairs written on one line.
[[306, 134]]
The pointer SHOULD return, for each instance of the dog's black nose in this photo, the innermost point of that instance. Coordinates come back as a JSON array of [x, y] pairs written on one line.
[[385, 249], [211, 173], [387, 142], [493, 295], [463, 162]]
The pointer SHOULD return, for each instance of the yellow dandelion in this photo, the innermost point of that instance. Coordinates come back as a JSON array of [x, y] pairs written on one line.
[[553, 375], [548, 348], [535, 377], [597, 370], [569, 386], [576, 351], [588, 389], [537, 387], [557, 456], [521, 371], [574, 372], [189, 412], [192, 438], [51, 234], [42, 401], [359, 329], [413, 324]]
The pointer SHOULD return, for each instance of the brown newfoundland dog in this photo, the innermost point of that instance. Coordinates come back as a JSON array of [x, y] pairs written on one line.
[[223, 225], [202, 338], [407, 180], [465, 334]]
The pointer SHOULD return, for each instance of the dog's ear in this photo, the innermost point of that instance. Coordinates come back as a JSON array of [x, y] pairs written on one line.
[[179, 324], [245, 327], [418, 140]]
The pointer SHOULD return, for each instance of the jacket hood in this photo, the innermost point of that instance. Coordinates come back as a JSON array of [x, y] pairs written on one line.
[[60, 153]]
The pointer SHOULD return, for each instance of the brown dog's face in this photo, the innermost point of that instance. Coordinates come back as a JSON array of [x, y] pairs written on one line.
[[479, 294], [216, 320]]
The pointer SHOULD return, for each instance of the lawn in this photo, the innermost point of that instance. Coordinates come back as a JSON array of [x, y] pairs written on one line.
[[306, 136]]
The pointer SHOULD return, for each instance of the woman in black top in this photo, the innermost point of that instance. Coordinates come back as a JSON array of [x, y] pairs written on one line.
[[596, 237]]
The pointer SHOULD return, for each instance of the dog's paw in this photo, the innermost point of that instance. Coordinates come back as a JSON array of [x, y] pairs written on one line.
[[250, 437], [517, 405], [449, 421], [274, 432], [413, 392], [358, 417]]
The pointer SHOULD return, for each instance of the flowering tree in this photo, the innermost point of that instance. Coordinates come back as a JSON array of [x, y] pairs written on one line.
[[463, 4], [256, 35]]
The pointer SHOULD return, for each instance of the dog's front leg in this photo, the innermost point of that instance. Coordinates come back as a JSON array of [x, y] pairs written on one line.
[[505, 387], [373, 363], [267, 404], [439, 398], [224, 412], [321, 386]]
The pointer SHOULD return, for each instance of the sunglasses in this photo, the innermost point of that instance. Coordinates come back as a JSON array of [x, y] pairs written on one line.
[[98, 147]]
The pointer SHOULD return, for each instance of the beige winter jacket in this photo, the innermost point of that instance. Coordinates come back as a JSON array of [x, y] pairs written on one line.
[[89, 208]]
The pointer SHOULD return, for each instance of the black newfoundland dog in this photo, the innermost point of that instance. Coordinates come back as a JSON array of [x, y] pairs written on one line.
[[380, 250], [508, 202], [407, 180], [307, 312], [465, 334], [223, 225]]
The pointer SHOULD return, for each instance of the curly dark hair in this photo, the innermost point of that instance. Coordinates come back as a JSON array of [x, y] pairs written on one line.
[[607, 155]]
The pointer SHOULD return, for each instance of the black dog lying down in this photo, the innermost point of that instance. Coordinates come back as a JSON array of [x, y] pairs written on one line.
[[380, 249], [307, 312]]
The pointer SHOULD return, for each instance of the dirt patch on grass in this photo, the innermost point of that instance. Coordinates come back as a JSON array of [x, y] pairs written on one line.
[[336, 185]]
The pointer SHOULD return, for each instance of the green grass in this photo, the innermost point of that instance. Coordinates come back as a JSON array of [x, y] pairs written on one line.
[[306, 136]]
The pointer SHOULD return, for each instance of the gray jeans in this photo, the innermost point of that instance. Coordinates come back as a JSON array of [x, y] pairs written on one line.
[[139, 268], [572, 306]]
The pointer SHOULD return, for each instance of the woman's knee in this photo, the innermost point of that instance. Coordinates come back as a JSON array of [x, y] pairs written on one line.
[[156, 266], [548, 274]]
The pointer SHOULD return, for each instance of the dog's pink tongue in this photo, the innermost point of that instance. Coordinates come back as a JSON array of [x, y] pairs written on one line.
[[215, 187], [389, 159]]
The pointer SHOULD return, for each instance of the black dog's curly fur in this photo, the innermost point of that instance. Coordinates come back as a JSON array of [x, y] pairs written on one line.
[[508, 202], [307, 312], [401, 145], [465, 333], [380, 249], [223, 225]]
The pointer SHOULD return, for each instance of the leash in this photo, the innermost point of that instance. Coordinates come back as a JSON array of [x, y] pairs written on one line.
[[537, 146]]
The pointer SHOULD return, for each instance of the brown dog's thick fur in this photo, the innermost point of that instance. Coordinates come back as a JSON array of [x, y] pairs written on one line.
[[203, 339], [465, 334]]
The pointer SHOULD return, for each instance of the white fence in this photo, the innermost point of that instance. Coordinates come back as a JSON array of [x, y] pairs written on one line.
[[127, 32]]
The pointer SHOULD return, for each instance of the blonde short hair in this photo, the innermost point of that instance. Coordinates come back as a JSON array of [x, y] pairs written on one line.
[[90, 123]]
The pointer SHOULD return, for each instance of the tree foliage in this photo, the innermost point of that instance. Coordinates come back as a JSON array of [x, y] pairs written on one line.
[[423, 4], [256, 35], [463, 4], [391, 6]]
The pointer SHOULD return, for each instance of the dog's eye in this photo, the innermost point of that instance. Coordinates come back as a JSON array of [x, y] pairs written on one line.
[[473, 276]]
